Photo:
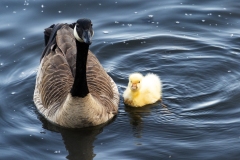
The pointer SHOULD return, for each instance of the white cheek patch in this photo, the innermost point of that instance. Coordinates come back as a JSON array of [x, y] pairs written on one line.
[[92, 33], [76, 35]]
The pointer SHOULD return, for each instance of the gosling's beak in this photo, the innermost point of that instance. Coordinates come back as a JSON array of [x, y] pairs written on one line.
[[86, 37], [134, 86]]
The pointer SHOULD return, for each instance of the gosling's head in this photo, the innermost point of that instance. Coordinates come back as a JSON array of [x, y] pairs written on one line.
[[135, 81], [83, 31]]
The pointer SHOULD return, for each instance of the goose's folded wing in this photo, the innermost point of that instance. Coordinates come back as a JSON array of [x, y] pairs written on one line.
[[101, 86], [58, 69]]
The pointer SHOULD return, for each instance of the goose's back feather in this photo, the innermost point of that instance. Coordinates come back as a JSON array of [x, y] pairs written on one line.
[[56, 75]]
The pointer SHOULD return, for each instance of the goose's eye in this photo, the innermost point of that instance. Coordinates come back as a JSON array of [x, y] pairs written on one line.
[[138, 81]]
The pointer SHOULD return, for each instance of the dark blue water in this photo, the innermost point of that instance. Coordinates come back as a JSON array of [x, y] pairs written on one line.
[[192, 45]]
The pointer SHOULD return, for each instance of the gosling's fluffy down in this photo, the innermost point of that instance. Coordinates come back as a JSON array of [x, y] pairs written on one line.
[[142, 90]]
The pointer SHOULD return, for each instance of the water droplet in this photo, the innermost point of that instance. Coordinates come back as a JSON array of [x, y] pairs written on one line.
[[105, 32], [177, 22], [42, 6], [150, 16]]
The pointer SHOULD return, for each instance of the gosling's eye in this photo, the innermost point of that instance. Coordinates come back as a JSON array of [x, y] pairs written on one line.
[[138, 81]]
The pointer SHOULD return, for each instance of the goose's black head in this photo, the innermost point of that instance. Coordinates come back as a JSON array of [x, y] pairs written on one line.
[[83, 31]]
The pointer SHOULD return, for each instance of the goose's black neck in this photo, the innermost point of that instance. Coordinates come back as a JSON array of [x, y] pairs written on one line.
[[80, 88]]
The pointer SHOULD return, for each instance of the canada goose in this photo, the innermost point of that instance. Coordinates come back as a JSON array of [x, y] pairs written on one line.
[[142, 90], [72, 88]]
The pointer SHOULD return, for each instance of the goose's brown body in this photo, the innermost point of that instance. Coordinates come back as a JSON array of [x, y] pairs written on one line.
[[55, 79]]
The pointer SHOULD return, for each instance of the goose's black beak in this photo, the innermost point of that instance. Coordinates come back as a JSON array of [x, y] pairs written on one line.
[[87, 37]]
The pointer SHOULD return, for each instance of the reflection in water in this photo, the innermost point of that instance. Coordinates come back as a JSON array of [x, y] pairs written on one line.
[[78, 142], [136, 115]]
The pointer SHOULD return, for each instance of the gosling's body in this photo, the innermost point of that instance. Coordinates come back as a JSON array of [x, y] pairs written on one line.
[[56, 96], [142, 90]]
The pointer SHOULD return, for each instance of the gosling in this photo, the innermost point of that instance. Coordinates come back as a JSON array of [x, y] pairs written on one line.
[[142, 90]]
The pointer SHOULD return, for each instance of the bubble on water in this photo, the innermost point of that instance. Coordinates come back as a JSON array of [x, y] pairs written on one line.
[[123, 24], [203, 20], [23, 38], [177, 22], [26, 3], [42, 6], [115, 2], [59, 11], [1, 64], [99, 4], [130, 25], [116, 22], [13, 93], [224, 8], [56, 152], [6, 6], [219, 15], [229, 71], [150, 16], [14, 12], [135, 12], [186, 14], [231, 35], [105, 32]]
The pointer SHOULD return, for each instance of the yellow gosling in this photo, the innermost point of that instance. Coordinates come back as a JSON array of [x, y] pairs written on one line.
[[142, 90]]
